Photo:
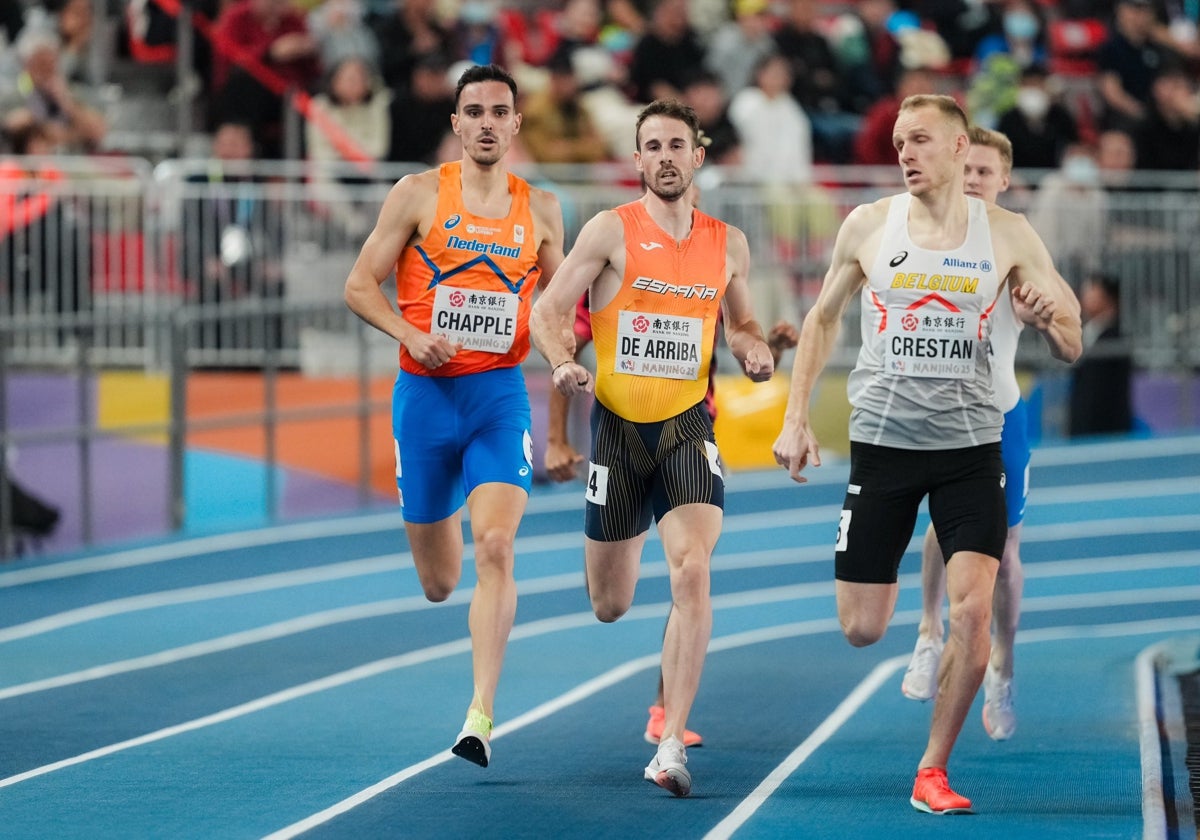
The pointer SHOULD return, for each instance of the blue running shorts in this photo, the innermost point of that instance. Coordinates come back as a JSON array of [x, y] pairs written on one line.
[[454, 433], [1014, 449]]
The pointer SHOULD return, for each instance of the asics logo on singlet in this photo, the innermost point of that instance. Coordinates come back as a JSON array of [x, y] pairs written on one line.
[[899, 258], [452, 222], [658, 287], [650, 246]]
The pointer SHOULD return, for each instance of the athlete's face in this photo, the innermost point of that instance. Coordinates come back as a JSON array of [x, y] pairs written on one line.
[[985, 175], [931, 148], [486, 120], [667, 157]]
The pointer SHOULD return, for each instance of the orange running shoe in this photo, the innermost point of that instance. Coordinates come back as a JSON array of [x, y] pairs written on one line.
[[932, 794], [654, 729]]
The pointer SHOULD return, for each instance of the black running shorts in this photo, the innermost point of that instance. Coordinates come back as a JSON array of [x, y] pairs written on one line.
[[966, 502], [639, 470]]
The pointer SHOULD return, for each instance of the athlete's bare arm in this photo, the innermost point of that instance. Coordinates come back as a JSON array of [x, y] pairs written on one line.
[[1037, 287], [552, 322], [403, 219], [547, 216], [742, 332], [796, 444], [1031, 308]]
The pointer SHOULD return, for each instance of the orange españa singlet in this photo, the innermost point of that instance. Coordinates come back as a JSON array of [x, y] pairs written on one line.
[[471, 280], [653, 339]]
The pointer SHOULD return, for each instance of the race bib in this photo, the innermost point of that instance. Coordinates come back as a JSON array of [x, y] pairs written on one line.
[[475, 319], [930, 345], [658, 345]]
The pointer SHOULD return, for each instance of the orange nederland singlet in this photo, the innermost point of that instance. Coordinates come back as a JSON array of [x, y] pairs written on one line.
[[653, 340], [471, 280]]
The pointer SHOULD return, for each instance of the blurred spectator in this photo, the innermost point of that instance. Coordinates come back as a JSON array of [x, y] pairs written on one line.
[[1002, 58], [776, 133], [231, 247], [666, 54], [1101, 379], [601, 84], [1116, 156], [555, 127], [867, 52], [71, 22], [1128, 62], [577, 25], [43, 90], [707, 98], [962, 24], [1022, 36], [341, 32], [356, 103], [1070, 211], [1169, 137], [1039, 127], [269, 34], [477, 34], [737, 46], [873, 144], [42, 263], [420, 116], [12, 18], [405, 34], [817, 83]]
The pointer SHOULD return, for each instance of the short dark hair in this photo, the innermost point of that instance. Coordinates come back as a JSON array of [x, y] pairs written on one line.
[[673, 109], [484, 73]]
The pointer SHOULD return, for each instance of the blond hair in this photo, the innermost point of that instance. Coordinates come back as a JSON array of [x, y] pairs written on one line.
[[980, 136], [947, 105]]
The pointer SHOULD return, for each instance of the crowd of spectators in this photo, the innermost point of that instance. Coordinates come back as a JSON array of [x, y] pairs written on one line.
[[825, 76]]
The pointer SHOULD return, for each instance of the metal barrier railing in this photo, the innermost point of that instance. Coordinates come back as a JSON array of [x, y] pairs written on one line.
[[188, 267]]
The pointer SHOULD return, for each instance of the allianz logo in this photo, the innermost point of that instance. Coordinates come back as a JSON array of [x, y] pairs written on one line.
[[955, 262]]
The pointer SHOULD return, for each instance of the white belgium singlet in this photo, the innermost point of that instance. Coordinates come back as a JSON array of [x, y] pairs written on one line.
[[1006, 332], [923, 378]]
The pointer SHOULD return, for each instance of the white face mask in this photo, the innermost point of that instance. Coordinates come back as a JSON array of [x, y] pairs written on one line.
[[1080, 170], [1033, 102]]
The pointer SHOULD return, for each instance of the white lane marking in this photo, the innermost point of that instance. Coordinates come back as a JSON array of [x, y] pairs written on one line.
[[757, 797], [538, 503]]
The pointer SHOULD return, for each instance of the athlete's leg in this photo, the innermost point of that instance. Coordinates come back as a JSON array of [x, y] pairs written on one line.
[[933, 587], [496, 511], [920, 678], [612, 574], [864, 610], [1006, 604], [970, 577], [689, 534], [437, 550]]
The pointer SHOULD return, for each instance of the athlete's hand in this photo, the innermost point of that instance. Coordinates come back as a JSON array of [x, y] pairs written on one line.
[[1032, 307], [572, 378], [561, 460], [795, 447], [759, 363], [433, 351]]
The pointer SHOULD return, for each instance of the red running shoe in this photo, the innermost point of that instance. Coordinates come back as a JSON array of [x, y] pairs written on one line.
[[932, 794], [654, 729]]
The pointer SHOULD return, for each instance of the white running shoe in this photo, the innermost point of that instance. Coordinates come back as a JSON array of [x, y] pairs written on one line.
[[472, 743], [920, 680], [999, 719], [667, 769]]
